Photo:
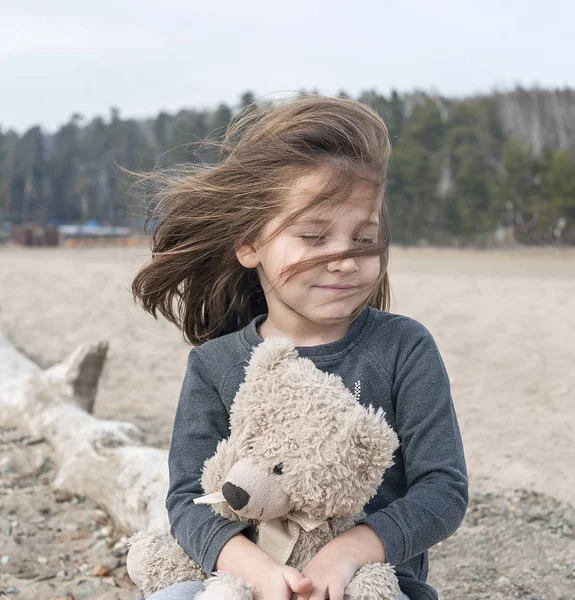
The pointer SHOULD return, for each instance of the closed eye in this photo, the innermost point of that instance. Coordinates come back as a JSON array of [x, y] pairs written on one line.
[[312, 238], [318, 239]]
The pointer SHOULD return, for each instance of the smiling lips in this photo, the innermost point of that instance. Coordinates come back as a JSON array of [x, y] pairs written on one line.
[[337, 287]]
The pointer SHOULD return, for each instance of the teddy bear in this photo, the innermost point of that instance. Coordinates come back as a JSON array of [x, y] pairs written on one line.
[[302, 459]]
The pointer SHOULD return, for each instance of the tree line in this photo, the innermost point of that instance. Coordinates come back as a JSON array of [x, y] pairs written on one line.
[[455, 176]]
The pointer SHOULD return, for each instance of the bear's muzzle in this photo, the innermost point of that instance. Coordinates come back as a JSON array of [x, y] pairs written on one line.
[[235, 496]]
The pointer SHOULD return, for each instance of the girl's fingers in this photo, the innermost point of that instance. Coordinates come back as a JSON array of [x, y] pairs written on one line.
[[299, 585], [318, 593], [335, 593]]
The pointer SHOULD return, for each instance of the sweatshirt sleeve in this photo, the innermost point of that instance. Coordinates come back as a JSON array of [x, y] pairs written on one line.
[[432, 451], [201, 421]]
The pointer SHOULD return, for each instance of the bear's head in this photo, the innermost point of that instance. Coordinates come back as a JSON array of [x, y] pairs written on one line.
[[299, 442]]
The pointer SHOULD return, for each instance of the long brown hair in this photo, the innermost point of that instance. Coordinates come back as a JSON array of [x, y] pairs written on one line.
[[202, 214]]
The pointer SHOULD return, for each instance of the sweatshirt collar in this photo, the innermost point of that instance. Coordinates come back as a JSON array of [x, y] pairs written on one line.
[[351, 338]]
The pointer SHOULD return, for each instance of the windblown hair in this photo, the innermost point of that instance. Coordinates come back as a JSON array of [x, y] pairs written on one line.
[[203, 213]]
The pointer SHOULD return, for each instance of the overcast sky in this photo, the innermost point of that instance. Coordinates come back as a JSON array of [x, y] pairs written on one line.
[[61, 57]]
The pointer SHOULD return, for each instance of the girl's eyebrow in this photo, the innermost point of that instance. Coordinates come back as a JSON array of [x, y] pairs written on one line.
[[324, 222]]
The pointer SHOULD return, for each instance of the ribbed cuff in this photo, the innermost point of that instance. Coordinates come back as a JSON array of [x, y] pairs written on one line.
[[390, 533], [220, 538]]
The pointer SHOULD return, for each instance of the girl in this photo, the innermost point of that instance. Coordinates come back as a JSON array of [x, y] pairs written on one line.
[[288, 236]]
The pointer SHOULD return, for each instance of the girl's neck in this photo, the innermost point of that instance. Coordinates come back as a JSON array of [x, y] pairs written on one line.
[[303, 334]]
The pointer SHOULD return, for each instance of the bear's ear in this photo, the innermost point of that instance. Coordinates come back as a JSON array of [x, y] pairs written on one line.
[[268, 359], [271, 354], [375, 440], [216, 470], [217, 467]]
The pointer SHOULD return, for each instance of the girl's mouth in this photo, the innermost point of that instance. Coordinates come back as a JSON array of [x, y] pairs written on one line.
[[336, 288]]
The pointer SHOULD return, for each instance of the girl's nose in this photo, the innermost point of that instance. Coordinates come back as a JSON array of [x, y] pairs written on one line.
[[345, 265]]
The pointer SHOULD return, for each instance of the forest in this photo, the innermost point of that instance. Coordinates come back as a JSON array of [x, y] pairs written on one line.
[[474, 170]]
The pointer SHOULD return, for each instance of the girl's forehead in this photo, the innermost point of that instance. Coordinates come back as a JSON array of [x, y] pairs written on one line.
[[349, 214], [364, 199]]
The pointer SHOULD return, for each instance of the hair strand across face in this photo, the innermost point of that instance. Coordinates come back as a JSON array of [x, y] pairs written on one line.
[[201, 214]]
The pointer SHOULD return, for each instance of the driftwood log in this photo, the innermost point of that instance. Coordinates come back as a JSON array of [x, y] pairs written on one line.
[[103, 460]]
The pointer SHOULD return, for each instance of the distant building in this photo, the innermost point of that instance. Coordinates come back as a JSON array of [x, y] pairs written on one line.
[[93, 234], [31, 234], [89, 234]]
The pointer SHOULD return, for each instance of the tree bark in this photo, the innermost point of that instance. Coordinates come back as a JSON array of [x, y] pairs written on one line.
[[103, 460]]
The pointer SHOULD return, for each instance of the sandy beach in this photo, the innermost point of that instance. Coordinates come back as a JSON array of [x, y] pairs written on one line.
[[504, 322]]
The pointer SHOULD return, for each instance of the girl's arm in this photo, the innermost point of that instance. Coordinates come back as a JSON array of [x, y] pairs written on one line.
[[432, 452], [201, 421]]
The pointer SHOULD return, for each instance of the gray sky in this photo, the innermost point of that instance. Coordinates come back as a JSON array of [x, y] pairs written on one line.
[[61, 57]]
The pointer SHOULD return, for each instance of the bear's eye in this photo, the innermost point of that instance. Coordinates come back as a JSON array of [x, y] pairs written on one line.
[[251, 447], [279, 469]]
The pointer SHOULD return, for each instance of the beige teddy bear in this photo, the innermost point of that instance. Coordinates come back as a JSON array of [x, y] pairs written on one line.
[[302, 460]]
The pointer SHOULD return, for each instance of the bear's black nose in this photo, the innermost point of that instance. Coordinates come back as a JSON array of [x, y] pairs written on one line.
[[235, 496]]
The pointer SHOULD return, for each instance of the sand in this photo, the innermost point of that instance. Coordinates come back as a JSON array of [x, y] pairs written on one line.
[[504, 322]]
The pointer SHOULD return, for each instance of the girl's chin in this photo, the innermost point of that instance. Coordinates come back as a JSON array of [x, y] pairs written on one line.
[[329, 315], [334, 312]]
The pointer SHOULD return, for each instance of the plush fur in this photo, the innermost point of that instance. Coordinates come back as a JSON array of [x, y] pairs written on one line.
[[332, 451]]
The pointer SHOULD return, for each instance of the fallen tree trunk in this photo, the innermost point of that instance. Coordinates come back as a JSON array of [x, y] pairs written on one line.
[[103, 460]]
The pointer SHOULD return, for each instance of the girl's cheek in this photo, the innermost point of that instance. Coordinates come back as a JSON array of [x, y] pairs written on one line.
[[372, 265]]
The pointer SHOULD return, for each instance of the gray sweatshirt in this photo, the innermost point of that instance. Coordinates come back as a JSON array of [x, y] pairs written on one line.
[[392, 362]]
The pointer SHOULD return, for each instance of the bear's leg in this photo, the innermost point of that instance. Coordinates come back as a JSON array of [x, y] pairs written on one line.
[[185, 590], [375, 581], [223, 586], [156, 561]]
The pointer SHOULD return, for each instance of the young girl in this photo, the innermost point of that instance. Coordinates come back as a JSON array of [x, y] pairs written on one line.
[[288, 236]]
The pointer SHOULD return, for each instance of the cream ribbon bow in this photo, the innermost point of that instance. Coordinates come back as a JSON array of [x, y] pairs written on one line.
[[279, 536]]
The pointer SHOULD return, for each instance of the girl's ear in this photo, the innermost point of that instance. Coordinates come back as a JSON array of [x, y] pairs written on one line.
[[247, 256]]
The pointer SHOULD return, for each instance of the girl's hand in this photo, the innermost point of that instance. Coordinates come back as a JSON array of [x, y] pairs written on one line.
[[331, 570], [280, 583], [271, 581], [334, 566]]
